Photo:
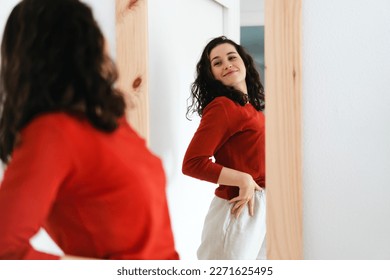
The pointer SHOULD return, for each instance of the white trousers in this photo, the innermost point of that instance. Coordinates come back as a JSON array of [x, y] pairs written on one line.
[[226, 238]]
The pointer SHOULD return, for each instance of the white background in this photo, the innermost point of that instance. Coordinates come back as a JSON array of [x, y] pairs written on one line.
[[346, 129]]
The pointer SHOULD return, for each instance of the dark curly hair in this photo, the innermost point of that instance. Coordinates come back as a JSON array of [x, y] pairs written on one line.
[[205, 87], [53, 59]]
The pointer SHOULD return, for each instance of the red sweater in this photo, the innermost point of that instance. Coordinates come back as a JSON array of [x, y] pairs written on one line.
[[235, 136], [99, 195]]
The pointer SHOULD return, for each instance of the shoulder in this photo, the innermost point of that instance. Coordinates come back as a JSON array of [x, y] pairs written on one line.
[[53, 123], [220, 103], [46, 134], [223, 101], [53, 118]]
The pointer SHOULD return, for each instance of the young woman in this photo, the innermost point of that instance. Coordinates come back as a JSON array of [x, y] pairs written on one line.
[[74, 165], [229, 97]]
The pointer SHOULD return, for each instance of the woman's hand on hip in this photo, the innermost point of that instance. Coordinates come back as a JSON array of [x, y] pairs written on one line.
[[245, 197], [247, 185]]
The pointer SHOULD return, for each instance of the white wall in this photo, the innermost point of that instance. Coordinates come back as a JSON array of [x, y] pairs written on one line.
[[251, 12], [346, 129], [6, 8]]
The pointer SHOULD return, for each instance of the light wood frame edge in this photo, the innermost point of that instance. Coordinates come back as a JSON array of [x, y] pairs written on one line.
[[283, 87]]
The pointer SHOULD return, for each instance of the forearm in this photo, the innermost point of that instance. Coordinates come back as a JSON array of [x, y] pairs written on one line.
[[232, 177], [201, 168]]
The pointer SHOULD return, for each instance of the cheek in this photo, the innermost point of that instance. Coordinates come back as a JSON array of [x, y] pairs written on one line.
[[214, 72], [242, 64]]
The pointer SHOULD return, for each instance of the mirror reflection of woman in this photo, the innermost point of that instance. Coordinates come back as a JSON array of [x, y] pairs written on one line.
[[229, 96]]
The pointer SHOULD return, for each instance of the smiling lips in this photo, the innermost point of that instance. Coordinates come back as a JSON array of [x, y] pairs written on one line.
[[230, 72]]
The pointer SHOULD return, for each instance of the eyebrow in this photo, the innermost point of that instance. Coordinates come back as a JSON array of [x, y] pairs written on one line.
[[229, 53]]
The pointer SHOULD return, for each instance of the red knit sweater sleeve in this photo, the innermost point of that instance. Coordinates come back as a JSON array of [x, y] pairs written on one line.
[[212, 132], [38, 166]]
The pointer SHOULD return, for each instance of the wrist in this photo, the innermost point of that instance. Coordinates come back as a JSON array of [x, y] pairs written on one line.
[[245, 180]]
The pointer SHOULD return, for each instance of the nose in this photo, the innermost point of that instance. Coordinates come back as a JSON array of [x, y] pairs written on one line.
[[228, 66]]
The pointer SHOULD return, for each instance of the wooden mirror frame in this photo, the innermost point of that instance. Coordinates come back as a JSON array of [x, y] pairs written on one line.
[[283, 87]]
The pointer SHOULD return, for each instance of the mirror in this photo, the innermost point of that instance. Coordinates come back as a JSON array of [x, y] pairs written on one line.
[[176, 39]]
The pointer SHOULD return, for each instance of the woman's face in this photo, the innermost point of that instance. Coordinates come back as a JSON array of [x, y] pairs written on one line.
[[228, 67]]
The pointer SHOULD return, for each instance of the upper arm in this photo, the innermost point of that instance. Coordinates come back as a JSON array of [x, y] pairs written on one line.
[[213, 131]]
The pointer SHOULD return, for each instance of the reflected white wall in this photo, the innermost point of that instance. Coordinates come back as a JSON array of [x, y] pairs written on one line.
[[346, 132], [177, 37], [251, 12]]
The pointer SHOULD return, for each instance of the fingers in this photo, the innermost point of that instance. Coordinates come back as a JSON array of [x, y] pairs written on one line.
[[251, 207], [258, 188], [241, 197], [237, 208], [246, 196], [237, 198], [238, 204]]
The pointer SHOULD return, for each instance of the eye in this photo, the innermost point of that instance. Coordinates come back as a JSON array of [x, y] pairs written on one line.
[[233, 57], [216, 63]]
